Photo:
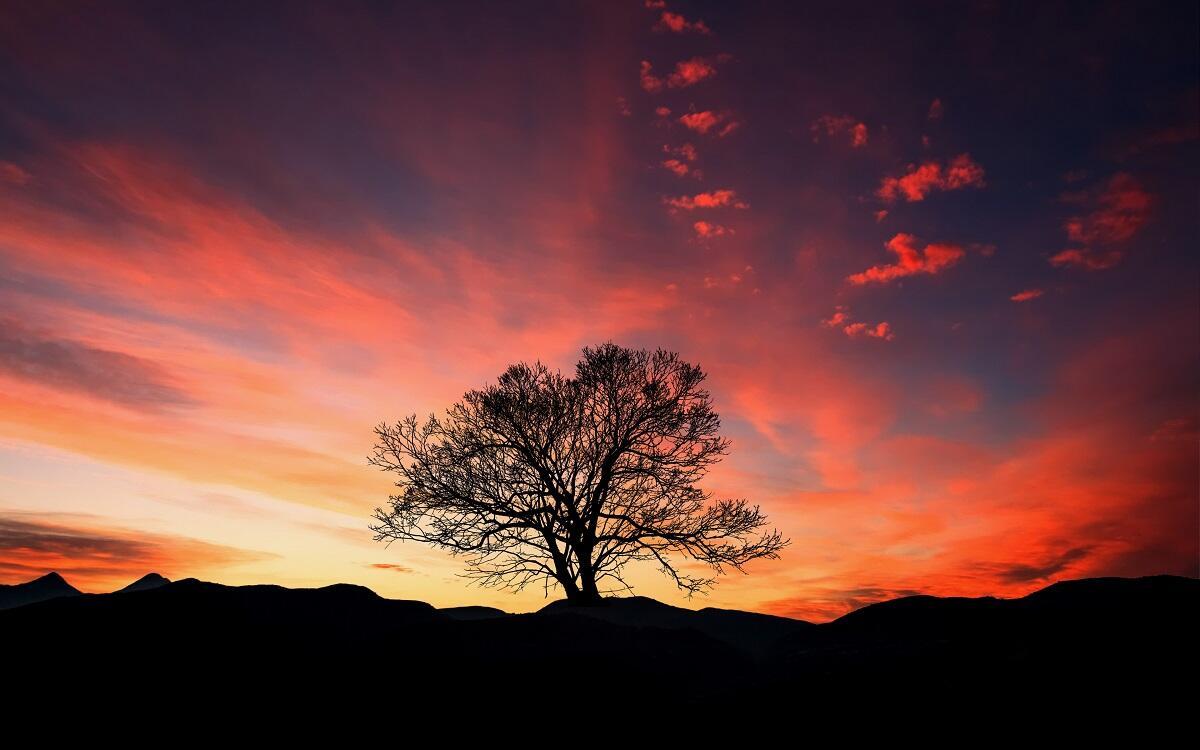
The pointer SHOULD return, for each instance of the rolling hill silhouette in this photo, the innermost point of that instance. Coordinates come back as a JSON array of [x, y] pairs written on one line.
[[1103, 638]]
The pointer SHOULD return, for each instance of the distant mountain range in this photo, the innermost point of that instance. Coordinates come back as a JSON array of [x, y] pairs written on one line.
[[54, 586], [1105, 638]]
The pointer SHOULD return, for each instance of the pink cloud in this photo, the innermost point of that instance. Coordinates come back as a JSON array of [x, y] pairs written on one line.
[[936, 110], [714, 199], [911, 260], [931, 176], [676, 23]]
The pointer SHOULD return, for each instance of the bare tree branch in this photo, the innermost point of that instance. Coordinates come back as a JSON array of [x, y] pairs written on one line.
[[557, 480]]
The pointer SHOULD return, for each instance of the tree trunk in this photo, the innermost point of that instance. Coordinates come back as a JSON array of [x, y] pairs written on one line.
[[588, 594]]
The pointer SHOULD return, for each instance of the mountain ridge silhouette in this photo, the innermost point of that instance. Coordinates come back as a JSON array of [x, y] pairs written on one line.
[[1102, 638]]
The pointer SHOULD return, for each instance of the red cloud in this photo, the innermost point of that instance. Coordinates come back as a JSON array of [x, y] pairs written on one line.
[[879, 331], [830, 126], [686, 151], [706, 120], [1027, 295], [935, 109], [677, 23], [910, 261], [686, 73], [13, 173], [931, 176], [1121, 208], [690, 72], [841, 319], [650, 82], [706, 230], [715, 199], [1090, 260], [676, 166]]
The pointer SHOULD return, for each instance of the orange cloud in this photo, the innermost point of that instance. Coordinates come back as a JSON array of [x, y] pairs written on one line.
[[911, 260], [931, 176], [678, 24], [706, 120], [830, 126], [392, 567], [713, 199], [1027, 295]]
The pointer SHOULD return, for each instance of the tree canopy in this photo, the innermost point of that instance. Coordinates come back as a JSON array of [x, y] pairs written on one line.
[[545, 478]]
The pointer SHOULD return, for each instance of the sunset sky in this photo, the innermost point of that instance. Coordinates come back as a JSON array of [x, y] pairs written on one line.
[[939, 261]]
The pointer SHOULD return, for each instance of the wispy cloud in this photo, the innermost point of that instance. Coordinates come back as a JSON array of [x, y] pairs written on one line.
[[67, 364], [1027, 295], [1120, 209], [101, 556]]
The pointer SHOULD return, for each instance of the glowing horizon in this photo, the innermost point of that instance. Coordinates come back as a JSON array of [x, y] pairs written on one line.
[[947, 302]]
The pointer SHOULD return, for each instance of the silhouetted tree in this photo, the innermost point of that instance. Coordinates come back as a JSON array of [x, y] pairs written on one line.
[[547, 478]]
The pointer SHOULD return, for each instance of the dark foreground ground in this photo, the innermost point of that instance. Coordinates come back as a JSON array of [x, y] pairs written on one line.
[[1105, 644]]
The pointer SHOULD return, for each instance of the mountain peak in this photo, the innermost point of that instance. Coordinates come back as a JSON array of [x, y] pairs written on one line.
[[146, 582], [50, 586]]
